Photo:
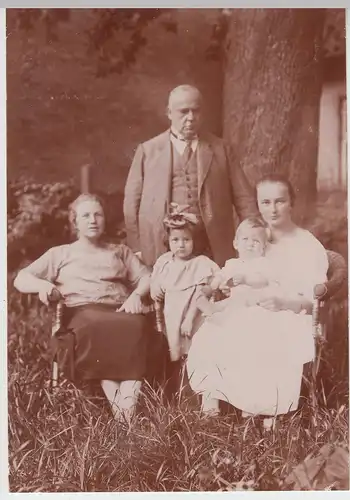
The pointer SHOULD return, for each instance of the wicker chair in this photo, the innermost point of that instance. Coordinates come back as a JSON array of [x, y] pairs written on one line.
[[324, 293]]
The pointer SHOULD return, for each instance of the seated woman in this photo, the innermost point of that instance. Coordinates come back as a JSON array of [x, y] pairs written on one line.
[[252, 356], [95, 277]]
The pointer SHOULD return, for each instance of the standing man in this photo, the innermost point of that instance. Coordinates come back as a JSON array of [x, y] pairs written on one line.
[[190, 167]]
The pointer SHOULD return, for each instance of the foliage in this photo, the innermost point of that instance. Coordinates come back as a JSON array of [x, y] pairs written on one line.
[[116, 57], [37, 218], [118, 35], [219, 44], [67, 441], [328, 469], [112, 55], [330, 221], [27, 20]]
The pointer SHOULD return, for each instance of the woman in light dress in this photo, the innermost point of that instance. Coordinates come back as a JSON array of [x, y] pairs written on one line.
[[252, 356]]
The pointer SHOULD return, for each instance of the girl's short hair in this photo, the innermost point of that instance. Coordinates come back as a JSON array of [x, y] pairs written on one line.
[[198, 235], [72, 210], [277, 178], [252, 223]]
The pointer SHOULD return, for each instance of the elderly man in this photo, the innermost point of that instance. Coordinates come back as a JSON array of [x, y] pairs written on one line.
[[187, 166]]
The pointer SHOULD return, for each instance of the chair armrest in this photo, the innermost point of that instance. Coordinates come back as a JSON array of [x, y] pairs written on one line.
[[158, 308], [57, 305], [337, 275]]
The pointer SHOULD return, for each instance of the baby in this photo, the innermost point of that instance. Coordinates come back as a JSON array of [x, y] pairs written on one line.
[[244, 278]]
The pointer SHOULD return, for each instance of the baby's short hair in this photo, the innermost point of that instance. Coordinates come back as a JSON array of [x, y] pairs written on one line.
[[252, 223]]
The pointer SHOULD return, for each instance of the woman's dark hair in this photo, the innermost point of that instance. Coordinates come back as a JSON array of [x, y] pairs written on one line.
[[198, 235], [277, 178]]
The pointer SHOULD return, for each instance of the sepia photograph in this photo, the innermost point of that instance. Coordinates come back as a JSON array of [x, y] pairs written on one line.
[[177, 250]]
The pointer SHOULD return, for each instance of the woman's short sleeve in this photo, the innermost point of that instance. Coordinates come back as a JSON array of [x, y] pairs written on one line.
[[314, 265], [47, 266], [135, 268], [299, 263]]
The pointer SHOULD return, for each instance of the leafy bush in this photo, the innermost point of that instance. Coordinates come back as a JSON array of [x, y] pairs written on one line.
[[37, 217], [330, 223]]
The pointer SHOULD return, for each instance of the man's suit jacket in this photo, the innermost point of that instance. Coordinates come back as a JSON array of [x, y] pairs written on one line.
[[222, 186]]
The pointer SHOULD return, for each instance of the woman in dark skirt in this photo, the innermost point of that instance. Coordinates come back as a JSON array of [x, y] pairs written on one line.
[[95, 278]]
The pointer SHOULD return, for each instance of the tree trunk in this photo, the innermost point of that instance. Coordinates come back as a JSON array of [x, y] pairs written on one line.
[[272, 88]]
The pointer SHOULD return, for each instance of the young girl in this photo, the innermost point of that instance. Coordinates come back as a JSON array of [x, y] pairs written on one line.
[[178, 275]]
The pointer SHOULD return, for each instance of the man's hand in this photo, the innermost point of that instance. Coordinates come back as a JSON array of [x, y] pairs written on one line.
[[133, 304]]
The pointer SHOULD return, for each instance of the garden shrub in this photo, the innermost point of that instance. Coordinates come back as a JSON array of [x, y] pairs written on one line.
[[330, 223], [37, 218]]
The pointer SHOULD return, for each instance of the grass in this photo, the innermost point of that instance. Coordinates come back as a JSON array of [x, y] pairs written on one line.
[[67, 441]]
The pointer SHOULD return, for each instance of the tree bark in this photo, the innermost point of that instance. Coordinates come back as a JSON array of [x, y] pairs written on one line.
[[272, 89]]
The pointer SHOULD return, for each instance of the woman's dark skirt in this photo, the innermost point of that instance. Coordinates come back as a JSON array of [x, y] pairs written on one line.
[[98, 343]]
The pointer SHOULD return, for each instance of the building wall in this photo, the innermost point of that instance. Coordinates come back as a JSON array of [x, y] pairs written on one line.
[[332, 160]]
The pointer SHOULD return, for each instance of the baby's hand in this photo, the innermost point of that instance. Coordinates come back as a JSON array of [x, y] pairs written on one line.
[[225, 288], [238, 279]]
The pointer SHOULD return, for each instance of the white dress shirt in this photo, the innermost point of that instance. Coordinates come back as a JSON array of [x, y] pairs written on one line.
[[180, 144]]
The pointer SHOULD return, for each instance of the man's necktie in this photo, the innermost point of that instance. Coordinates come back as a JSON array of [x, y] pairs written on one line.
[[186, 155]]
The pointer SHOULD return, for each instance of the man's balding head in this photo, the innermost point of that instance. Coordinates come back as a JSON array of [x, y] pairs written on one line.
[[184, 110], [178, 93]]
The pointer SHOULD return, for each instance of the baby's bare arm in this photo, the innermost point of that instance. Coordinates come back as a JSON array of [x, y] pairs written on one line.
[[204, 305]]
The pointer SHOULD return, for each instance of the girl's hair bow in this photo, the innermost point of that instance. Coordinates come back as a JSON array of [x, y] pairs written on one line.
[[178, 217]]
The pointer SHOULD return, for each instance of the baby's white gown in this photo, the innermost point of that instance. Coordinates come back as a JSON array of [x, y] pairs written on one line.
[[251, 357]]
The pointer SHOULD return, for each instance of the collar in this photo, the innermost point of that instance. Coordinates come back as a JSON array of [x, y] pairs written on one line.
[[180, 144], [178, 136]]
